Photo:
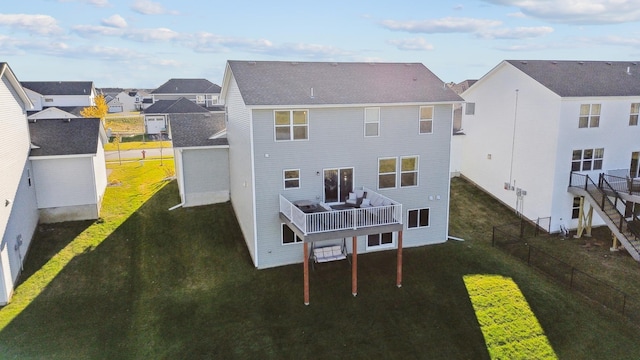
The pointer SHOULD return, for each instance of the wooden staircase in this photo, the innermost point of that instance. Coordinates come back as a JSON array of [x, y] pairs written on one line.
[[605, 200]]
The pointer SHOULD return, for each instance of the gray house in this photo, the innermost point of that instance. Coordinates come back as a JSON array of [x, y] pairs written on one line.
[[324, 152], [201, 91], [156, 116], [201, 155]]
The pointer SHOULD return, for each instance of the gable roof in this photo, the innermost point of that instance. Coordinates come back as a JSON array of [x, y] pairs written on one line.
[[584, 78], [180, 106], [332, 83], [5, 71], [52, 113], [187, 86], [194, 130], [64, 136], [60, 87]]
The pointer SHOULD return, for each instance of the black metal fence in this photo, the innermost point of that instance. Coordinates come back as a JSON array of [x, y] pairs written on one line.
[[511, 238]]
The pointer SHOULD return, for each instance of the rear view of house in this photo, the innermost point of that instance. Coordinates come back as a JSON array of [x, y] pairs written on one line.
[[364, 146], [201, 91], [18, 209]]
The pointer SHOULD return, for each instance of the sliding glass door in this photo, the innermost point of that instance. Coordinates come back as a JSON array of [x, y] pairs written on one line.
[[338, 183]]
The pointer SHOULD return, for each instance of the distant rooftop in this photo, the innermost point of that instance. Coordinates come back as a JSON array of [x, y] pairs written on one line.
[[59, 87], [180, 106], [584, 78], [187, 86], [333, 83]]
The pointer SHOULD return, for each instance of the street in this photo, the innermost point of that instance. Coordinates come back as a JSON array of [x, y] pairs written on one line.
[[167, 152]]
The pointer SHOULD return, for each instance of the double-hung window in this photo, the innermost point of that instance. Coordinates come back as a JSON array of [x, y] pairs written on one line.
[[408, 171], [291, 125], [426, 119], [371, 122], [589, 116], [587, 159], [291, 179], [387, 168], [633, 116]]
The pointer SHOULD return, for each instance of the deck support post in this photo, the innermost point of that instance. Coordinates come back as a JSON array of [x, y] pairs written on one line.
[[306, 272], [399, 269], [584, 220], [354, 266]]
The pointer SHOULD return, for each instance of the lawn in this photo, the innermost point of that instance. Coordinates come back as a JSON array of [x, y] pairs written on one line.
[[148, 283]]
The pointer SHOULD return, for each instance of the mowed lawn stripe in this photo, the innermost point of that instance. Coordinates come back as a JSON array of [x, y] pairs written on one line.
[[509, 326]]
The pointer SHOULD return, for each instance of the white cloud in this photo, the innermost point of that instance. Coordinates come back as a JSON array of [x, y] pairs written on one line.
[[578, 11], [34, 24], [115, 21], [91, 30], [148, 7], [442, 25], [417, 44], [145, 35], [515, 33]]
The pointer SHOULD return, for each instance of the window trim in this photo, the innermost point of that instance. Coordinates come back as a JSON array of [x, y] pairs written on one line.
[[633, 116], [285, 179], [592, 161], [395, 172], [296, 239], [590, 116], [575, 208], [418, 219], [416, 171], [380, 246], [421, 120], [291, 125], [368, 121]]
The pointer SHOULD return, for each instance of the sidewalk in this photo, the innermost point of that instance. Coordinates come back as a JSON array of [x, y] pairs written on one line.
[[165, 152]]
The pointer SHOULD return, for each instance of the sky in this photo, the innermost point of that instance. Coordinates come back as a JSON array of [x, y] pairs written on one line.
[[144, 43]]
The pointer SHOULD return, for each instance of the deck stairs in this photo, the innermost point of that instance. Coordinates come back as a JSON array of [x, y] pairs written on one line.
[[606, 201]]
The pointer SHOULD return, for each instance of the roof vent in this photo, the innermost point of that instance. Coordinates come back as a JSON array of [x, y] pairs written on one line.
[[523, 62], [581, 62], [554, 62], [628, 70], [311, 93], [609, 63], [251, 63]]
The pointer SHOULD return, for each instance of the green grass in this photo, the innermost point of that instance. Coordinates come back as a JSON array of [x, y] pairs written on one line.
[[124, 124], [159, 284], [511, 330]]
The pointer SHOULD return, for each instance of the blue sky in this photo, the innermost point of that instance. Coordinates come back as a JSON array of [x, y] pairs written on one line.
[[143, 43]]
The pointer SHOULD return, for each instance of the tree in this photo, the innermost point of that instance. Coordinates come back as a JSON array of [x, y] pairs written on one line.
[[98, 111]]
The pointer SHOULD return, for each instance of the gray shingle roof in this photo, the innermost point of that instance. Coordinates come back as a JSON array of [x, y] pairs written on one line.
[[191, 130], [180, 106], [187, 86], [331, 83], [584, 78], [59, 87], [65, 137]]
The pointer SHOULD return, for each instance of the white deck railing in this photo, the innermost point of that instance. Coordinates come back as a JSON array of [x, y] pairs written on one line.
[[347, 219]]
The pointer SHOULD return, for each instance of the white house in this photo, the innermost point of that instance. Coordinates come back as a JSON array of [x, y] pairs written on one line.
[[201, 91], [18, 209], [68, 167], [52, 113], [44, 94], [201, 154], [125, 101], [529, 124], [321, 152]]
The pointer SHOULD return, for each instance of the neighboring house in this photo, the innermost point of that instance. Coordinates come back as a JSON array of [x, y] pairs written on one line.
[[156, 116], [52, 113], [201, 91], [125, 101], [68, 167], [44, 94], [312, 140], [529, 124], [18, 209], [201, 153]]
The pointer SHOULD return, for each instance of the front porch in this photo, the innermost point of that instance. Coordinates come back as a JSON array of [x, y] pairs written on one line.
[[315, 222]]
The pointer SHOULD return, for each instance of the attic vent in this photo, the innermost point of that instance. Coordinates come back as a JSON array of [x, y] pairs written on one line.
[[523, 62], [311, 93], [608, 62], [554, 62], [581, 62]]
